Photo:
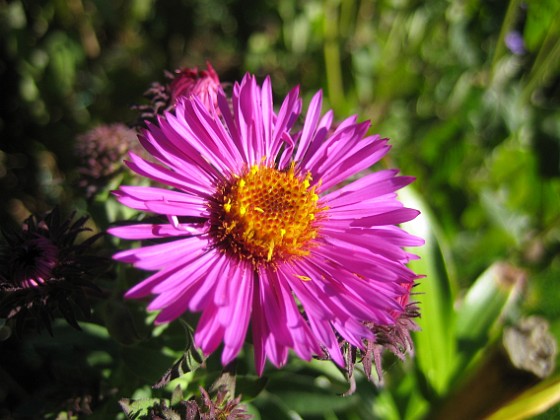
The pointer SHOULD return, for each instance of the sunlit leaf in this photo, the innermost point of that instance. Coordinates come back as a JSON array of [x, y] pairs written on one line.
[[540, 17], [137, 409], [485, 302], [435, 343]]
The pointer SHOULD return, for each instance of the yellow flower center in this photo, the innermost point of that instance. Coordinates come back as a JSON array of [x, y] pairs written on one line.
[[266, 215]]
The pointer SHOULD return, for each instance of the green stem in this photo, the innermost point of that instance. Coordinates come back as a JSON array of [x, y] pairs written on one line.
[[332, 56]]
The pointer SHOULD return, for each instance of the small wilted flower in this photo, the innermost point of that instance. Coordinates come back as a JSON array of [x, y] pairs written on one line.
[[183, 83], [220, 407], [100, 154], [43, 270], [393, 337]]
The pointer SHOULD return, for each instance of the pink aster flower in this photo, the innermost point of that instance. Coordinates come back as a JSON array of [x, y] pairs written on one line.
[[264, 229]]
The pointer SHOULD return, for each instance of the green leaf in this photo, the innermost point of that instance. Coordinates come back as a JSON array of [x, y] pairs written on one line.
[[139, 408], [302, 394], [190, 361], [541, 16], [177, 395], [435, 343], [385, 407], [121, 324], [407, 399], [250, 387], [485, 302], [146, 362]]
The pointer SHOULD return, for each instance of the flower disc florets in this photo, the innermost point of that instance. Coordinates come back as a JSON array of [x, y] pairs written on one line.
[[266, 215]]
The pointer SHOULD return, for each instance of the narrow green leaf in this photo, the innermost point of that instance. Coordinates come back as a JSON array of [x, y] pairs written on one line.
[[384, 406], [435, 343], [190, 361], [486, 300], [408, 399], [177, 395]]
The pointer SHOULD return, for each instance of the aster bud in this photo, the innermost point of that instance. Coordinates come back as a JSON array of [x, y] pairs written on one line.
[[184, 82], [188, 82]]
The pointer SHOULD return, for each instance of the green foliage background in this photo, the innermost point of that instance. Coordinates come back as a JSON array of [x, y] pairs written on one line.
[[478, 125]]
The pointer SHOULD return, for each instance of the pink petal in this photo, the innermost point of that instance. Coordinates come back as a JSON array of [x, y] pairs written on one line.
[[156, 256], [389, 218], [146, 231], [309, 126], [240, 312]]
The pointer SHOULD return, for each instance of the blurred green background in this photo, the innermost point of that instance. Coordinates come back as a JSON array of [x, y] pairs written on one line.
[[467, 91]]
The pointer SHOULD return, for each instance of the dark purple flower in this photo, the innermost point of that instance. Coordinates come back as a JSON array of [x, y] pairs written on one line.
[[44, 272]]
